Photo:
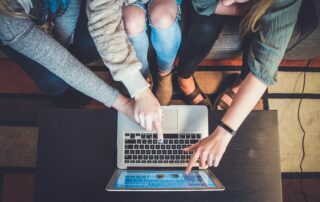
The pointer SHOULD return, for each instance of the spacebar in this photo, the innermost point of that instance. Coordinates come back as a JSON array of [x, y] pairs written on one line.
[[170, 136]]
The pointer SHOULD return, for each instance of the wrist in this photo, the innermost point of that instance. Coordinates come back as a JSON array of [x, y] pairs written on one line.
[[121, 103], [223, 133], [227, 128], [142, 94]]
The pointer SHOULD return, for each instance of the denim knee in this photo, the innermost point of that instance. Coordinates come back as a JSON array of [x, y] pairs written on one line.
[[50, 84]]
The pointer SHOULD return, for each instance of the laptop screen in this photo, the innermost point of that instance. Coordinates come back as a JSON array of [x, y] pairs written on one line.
[[138, 179]]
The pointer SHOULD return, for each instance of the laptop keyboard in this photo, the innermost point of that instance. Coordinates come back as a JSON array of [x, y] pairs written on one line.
[[143, 148]]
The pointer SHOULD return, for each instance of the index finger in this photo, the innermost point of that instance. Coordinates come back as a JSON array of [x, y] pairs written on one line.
[[192, 161], [159, 130]]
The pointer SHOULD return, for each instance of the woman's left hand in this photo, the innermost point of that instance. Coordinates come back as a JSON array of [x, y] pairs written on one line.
[[210, 149]]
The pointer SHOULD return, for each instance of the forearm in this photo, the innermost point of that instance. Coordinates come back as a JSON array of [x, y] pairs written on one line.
[[236, 9], [249, 94], [42, 48]]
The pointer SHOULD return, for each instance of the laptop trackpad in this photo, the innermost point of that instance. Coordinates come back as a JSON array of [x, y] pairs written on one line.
[[170, 120]]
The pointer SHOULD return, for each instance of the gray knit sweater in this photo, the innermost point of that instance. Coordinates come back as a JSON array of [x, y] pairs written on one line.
[[106, 27]]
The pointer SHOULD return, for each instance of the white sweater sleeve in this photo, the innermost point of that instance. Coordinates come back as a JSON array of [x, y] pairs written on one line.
[[107, 30]]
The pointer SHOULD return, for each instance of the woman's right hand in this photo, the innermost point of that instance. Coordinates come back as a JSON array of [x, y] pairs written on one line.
[[129, 108]]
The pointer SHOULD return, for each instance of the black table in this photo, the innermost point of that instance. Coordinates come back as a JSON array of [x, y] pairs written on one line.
[[77, 157]]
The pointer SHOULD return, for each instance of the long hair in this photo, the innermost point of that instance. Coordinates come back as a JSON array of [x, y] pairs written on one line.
[[256, 9], [9, 8]]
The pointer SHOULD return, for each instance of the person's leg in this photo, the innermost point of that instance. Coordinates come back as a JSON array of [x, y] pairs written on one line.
[[134, 18], [165, 32], [202, 32], [46, 81], [164, 16], [83, 46]]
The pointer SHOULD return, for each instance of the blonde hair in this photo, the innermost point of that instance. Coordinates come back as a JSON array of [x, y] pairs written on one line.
[[256, 9], [7, 8]]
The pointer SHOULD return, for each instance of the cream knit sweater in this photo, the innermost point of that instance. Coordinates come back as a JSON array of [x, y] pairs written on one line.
[[107, 30]]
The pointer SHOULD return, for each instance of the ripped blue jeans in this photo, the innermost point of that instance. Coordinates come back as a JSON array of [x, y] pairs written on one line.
[[166, 42]]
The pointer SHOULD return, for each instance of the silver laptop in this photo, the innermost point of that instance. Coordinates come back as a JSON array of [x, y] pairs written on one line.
[[146, 165]]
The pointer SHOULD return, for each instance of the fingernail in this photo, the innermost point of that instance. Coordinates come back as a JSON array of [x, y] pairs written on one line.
[[160, 141]]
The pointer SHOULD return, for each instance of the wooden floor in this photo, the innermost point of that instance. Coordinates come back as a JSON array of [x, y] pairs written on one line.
[[20, 99]]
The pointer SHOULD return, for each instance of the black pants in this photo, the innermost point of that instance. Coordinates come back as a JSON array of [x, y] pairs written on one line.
[[198, 38]]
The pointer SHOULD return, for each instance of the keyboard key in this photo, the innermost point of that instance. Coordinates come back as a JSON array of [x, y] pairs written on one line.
[[149, 136], [157, 146], [128, 146], [171, 136], [171, 161], [138, 161], [198, 136], [165, 141], [164, 152], [155, 136], [144, 141], [150, 157], [155, 141], [143, 136], [146, 146], [193, 136], [151, 146], [148, 152], [136, 146], [131, 151], [127, 156], [137, 151], [176, 141], [130, 141], [182, 136], [163, 146], [126, 161], [148, 161], [143, 161], [145, 156], [170, 141], [158, 151], [132, 135], [178, 146], [175, 152], [153, 152], [174, 146], [134, 156], [127, 134], [167, 146], [187, 142], [169, 151], [139, 141], [139, 156], [193, 141], [188, 136], [126, 151]]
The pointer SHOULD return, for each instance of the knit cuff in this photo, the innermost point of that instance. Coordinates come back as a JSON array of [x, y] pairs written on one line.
[[134, 82]]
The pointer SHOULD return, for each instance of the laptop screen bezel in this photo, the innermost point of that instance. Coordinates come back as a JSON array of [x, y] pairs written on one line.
[[111, 184]]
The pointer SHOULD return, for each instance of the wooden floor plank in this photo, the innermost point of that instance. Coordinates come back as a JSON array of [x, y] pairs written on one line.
[[292, 190], [18, 188], [15, 80]]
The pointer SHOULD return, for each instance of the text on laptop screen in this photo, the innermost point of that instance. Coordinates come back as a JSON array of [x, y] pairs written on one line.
[[131, 179]]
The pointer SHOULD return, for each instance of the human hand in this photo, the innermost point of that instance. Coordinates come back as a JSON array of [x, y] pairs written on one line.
[[148, 113], [210, 149]]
